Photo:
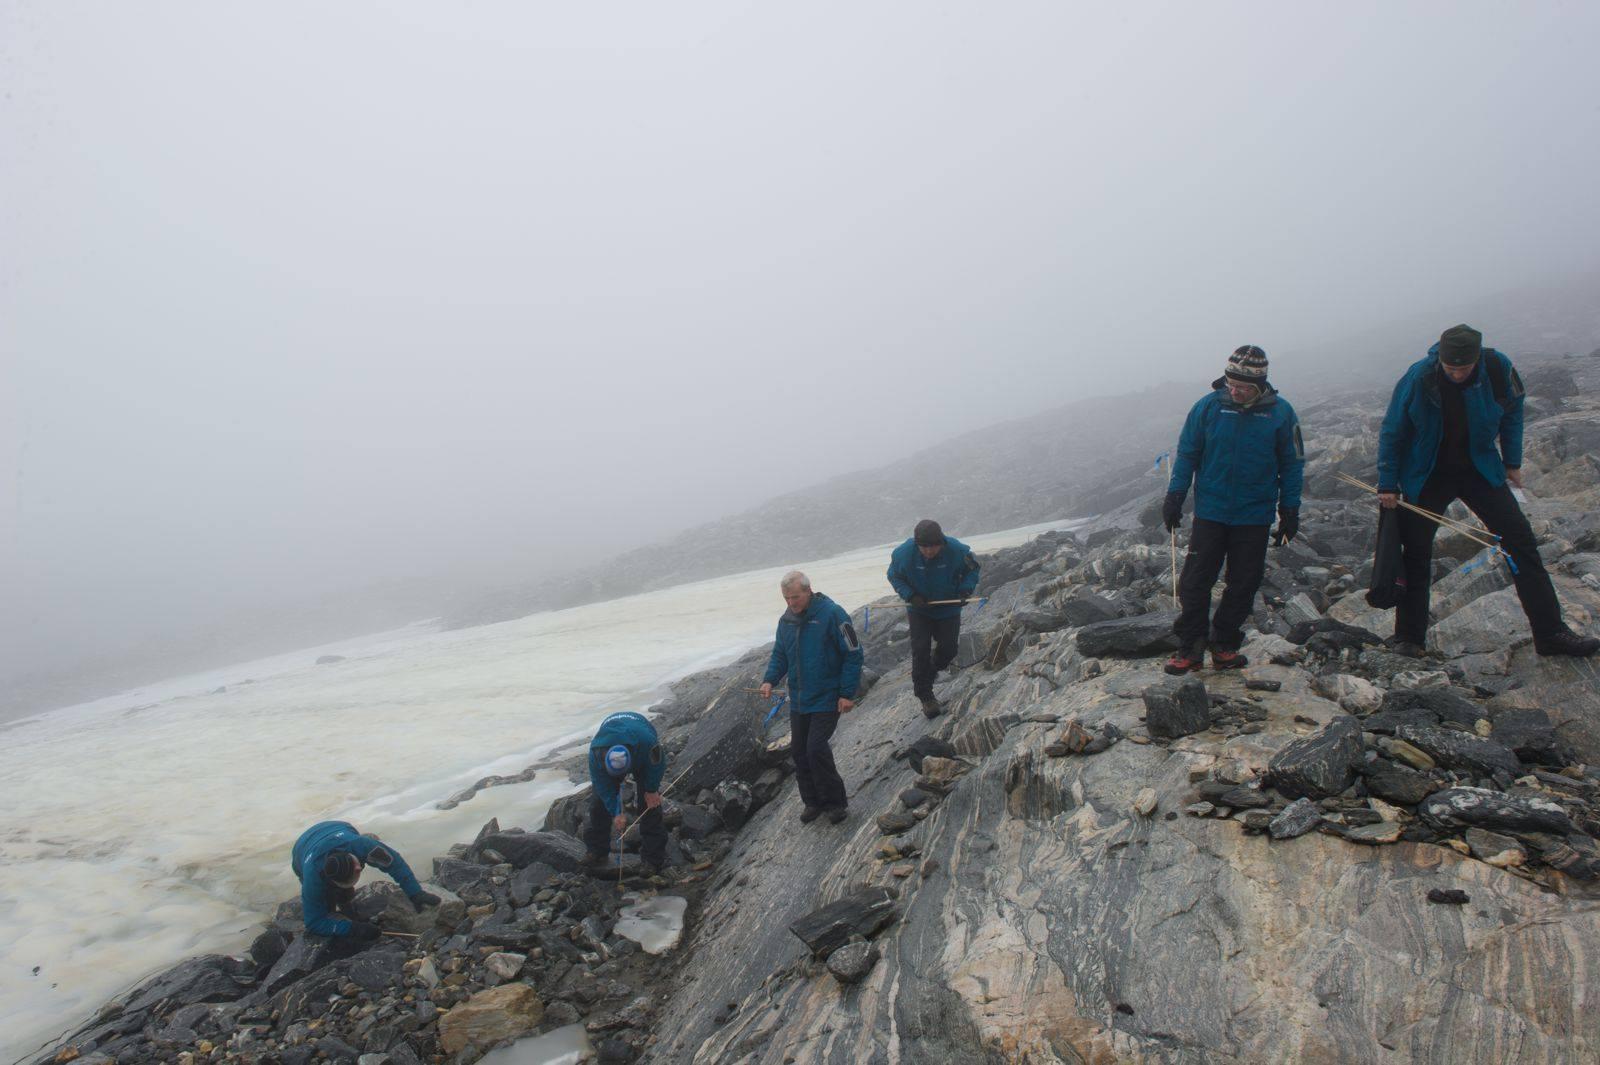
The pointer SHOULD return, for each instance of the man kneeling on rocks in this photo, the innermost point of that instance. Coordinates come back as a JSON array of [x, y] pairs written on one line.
[[1454, 431], [1241, 447], [928, 568], [626, 745], [328, 859], [817, 649]]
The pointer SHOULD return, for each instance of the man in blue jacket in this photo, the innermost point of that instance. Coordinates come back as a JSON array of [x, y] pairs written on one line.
[[328, 859], [1454, 431], [626, 745], [1242, 449], [931, 567], [817, 649]]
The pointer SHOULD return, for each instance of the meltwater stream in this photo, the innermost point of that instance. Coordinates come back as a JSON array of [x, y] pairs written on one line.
[[138, 829]]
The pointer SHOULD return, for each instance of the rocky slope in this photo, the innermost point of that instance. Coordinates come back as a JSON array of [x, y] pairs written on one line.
[[1337, 855]]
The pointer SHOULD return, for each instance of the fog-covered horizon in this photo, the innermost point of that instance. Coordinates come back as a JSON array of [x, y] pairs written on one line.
[[308, 304]]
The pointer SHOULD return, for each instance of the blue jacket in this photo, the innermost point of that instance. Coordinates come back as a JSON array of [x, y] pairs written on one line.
[[951, 574], [634, 732], [1408, 443], [1244, 461], [321, 840], [819, 652]]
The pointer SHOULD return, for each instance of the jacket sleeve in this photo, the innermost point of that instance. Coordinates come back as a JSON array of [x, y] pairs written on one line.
[[968, 581], [778, 664], [606, 787], [850, 646], [897, 578], [381, 856], [1511, 421], [314, 907], [1191, 445], [1394, 435], [1291, 463]]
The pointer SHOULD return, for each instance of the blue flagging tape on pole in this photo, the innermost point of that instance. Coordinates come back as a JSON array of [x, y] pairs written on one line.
[[1502, 553], [866, 620], [1159, 460], [773, 712]]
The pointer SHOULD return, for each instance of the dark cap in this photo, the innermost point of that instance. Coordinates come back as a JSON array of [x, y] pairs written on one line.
[[340, 867], [1460, 345], [927, 533]]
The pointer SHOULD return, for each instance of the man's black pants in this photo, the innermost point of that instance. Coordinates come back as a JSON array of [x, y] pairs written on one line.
[[925, 661], [1211, 543], [814, 771], [652, 830], [1496, 508]]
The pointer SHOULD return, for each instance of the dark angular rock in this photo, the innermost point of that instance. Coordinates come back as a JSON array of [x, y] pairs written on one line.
[[208, 978], [268, 947], [1397, 783], [928, 747], [861, 912], [1577, 855], [727, 742], [558, 850], [1443, 704], [305, 955], [895, 822], [1461, 750], [515, 938], [1485, 844], [458, 875], [1242, 798], [697, 822], [1318, 766], [1256, 685], [1177, 708], [1530, 736], [569, 813], [1135, 637], [914, 797], [1448, 896], [1482, 808], [1298, 818], [734, 802], [526, 884], [852, 962], [378, 970]]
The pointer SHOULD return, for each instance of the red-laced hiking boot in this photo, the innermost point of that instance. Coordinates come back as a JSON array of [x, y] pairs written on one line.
[[1228, 660], [1185, 662]]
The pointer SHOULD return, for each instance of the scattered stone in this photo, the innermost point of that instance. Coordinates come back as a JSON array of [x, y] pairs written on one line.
[[1396, 783], [1382, 832], [1256, 685], [861, 912], [1482, 808], [895, 822], [1298, 818], [1418, 679], [914, 797], [1135, 637], [1410, 755], [489, 1017], [1448, 896], [1319, 765], [1494, 849], [943, 772], [1460, 750], [852, 962], [1144, 804], [1174, 709], [503, 966]]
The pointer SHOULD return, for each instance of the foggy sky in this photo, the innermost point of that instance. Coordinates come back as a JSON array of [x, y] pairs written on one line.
[[301, 297]]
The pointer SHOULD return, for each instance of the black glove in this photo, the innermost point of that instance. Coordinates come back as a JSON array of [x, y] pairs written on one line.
[[1172, 511], [1288, 525], [364, 931], [919, 600], [423, 900]]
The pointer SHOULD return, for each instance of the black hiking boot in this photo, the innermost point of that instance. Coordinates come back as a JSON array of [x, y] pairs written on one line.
[[1185, 662], [810, 814], [1405, 647], [1566, 642], [838, 814], [931, 707]]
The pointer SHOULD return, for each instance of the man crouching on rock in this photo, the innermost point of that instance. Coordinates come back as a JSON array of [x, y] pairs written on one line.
[[1241, 447], [626, 744], [1454, 431], [328, 859], [817, 649], [929, 568]]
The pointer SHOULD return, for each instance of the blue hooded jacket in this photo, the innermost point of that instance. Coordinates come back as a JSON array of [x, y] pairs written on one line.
[[819, 652], [951, 574], [321, 840], [1408, 443], [634, 732], [1244, 461]]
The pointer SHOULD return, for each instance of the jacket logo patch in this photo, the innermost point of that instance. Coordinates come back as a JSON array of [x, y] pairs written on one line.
[[380, 857], [655, 755]]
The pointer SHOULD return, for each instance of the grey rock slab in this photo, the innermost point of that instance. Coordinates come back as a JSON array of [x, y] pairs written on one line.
[[1135, 637], [1177, 708], [1459, 750], [1298, 818], [1319, 765], [851, 963], [860, 912], [558, 850], [1493, 810], [1397, 783]]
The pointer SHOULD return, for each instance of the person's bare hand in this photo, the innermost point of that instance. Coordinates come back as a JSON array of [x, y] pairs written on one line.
[[652, 799], [1388, 500], [619, 823], [1514, 475], [846, 705], [766, 691]]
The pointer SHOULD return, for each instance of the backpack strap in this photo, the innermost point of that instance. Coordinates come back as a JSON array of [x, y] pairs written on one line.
[[1503, 379]]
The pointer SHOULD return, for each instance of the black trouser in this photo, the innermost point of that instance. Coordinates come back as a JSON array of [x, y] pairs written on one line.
[[1211, 543], [925, 661], [652, 830], [1496, 508], [814, 771]]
